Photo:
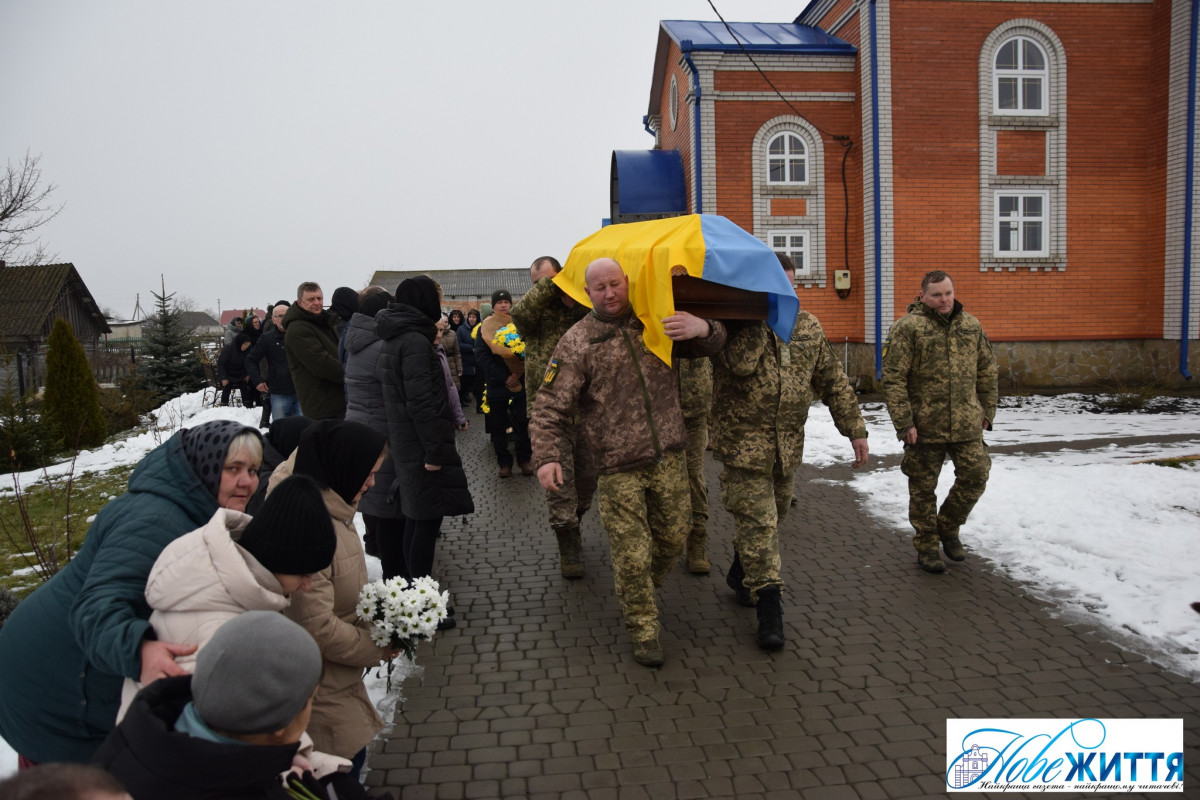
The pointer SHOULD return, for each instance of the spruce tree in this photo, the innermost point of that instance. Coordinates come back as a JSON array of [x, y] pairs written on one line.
[[171, 365], [72, 400]]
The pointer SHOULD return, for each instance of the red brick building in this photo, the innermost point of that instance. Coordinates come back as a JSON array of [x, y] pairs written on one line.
[[1037, 151]]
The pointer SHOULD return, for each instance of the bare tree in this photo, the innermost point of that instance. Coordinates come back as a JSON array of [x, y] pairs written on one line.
[[24, 208]]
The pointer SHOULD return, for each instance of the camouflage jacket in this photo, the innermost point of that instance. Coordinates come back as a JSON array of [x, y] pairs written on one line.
[[763, 388], [695, 386], [939, 374], [542, 319], [627, 397]]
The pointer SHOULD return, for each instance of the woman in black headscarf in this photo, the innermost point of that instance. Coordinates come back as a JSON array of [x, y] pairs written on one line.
[[342, 457], [430, 480]]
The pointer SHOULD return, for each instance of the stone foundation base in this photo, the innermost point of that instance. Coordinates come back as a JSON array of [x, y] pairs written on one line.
[[1026, 365]]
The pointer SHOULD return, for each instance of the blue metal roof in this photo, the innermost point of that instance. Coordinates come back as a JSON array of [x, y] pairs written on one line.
[[756, 37], [648, 182]]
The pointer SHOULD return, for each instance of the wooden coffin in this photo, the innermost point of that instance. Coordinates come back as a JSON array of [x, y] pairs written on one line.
[[714, 301]]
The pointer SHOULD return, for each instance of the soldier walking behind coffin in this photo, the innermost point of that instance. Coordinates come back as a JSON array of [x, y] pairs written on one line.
[[542, 316]]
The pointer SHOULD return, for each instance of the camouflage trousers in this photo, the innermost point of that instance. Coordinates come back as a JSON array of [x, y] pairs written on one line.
[[758, 501], [922, 464], [574, 497], [644, 511], [697, 433]]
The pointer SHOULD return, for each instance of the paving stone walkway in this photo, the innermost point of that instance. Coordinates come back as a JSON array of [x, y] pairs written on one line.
[[535, 693]]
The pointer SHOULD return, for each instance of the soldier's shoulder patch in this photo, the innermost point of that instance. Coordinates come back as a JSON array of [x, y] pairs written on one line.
[[551, 372], [886, 344]]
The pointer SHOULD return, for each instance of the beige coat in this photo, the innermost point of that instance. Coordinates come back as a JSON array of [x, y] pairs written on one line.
[[201, 581], [343, 719]]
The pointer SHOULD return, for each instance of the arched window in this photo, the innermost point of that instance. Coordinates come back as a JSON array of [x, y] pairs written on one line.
[[787, 159], [673, 102], [1020, 78], [789, 194], [1023, 147]]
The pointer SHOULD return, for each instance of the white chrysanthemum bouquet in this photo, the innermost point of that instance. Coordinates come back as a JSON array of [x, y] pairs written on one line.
[[402, 613]]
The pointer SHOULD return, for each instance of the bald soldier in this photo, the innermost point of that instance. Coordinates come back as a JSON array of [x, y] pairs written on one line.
[[940, 378], [628, 402]]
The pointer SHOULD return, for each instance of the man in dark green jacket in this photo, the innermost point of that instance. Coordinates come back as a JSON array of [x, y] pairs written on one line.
[[939, 375], [310, 338]]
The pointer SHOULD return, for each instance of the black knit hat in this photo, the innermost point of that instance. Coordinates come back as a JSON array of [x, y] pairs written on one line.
[[344, 303], [501, 294], [422, 294], [292, 533]]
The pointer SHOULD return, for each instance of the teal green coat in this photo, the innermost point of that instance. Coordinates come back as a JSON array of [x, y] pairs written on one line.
[[67, 648]]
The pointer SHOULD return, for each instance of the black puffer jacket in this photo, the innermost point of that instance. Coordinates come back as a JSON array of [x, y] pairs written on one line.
[[420, 423], [269, 348]]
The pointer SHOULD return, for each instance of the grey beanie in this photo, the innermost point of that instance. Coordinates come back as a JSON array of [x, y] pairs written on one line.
[[255, 674]]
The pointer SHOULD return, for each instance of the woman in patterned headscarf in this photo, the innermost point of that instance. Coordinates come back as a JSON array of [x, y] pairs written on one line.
[[67, 648]]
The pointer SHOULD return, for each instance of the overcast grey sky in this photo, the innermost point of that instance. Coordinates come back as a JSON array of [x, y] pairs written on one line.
[[238, 147]]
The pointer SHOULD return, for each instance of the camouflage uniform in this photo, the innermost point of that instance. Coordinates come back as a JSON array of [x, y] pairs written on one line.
[[763, 388], [939, 375], [628, 401], [695, 398], [645, 513], [542, 318]]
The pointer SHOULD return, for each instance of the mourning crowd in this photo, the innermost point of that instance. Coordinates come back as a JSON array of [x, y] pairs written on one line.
[[204, 641]]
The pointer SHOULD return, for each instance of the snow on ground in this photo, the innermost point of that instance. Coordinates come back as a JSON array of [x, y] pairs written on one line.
[[189, 411], [1106, 539]]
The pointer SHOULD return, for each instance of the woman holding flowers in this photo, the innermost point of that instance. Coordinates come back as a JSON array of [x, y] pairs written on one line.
[[500, 353], [431, 483], [342, 457]]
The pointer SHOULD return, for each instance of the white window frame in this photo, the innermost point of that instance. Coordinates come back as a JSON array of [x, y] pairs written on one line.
[[788, 157], [802, 274], [673, 102], [1022, 74], [1052, 179], [1020, 221]]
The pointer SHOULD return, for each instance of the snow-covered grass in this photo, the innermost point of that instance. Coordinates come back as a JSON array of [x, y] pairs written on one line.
[[1102, 536], [189, 411], [1105, 537]]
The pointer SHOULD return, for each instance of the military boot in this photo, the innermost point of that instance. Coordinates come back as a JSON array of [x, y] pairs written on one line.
[[733, 579], [929, 558], [648, 653], [570, 551], [697, 552], [954, 549], [951, 544], [770, 618]]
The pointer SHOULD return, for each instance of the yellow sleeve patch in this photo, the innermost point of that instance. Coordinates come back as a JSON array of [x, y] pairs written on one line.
[[551, 372]]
